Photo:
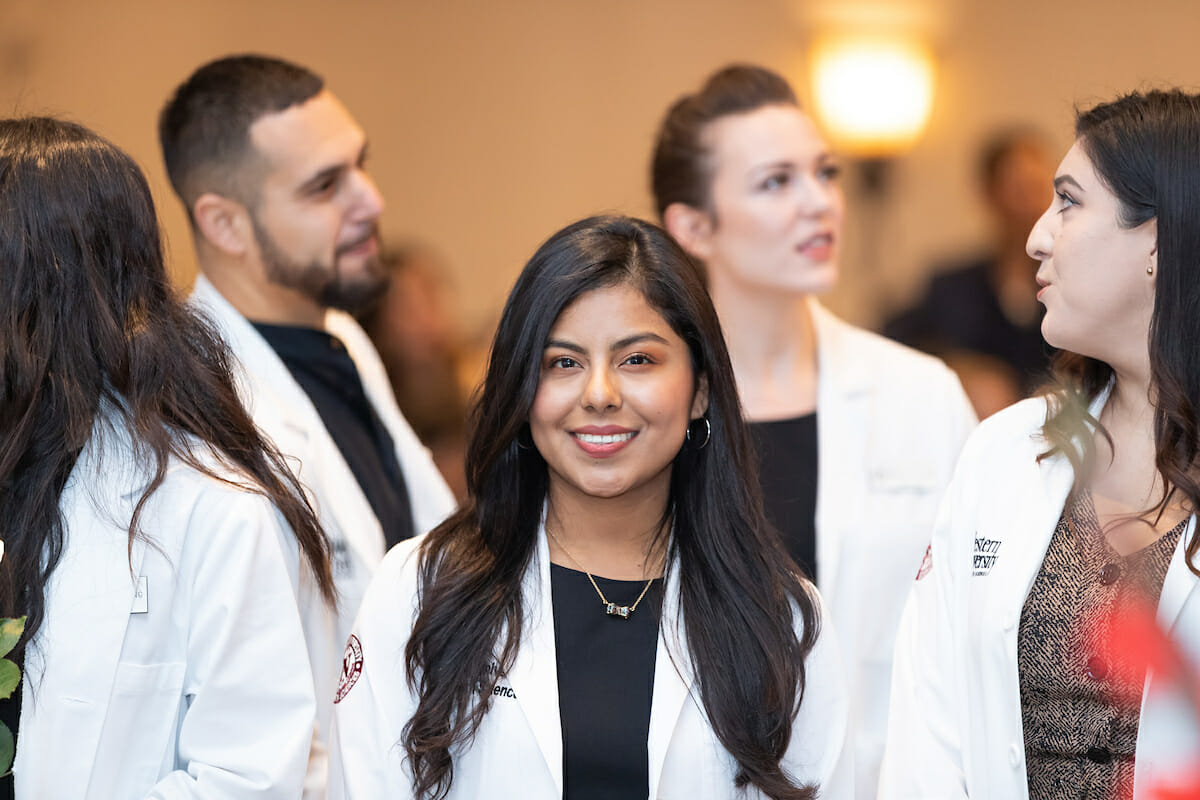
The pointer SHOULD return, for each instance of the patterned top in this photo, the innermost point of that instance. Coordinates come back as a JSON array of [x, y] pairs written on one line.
[[1080, 695]]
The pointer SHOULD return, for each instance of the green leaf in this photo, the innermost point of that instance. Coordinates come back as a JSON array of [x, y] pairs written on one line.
[[8, 749], [10, 676], [10, 633]]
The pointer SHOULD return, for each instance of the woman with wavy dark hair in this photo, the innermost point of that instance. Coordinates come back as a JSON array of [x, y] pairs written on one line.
[[1072, 514], [609, 614], [151, 536]]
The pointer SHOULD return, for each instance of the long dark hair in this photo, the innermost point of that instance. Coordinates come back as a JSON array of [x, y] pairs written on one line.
[[680, 171], [738, 594], [1145, 147], [91, 327]]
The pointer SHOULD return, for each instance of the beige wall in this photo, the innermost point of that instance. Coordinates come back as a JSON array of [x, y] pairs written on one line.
[[493, 124]]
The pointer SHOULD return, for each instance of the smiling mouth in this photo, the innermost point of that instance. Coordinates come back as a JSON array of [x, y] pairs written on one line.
[[604, 438]]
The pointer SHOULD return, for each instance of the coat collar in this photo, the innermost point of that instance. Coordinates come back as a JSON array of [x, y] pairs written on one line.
[[88, 602], [840, 373], [534, 674]]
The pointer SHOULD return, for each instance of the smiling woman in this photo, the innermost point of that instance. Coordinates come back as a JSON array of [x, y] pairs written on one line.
[[608, 615], [614, 399]]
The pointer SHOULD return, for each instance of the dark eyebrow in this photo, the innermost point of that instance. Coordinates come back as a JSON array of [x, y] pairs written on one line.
[[1066, 179], [333, 171], [637, 338], [565, 345], [618, 345], [772, 166], [320, 177]]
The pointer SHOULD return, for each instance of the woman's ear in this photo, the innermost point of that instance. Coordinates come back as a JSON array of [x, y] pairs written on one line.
[[691, 227], [700, 398]]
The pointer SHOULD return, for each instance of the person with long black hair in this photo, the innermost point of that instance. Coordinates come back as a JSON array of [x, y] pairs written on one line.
[[608, 615], [1073, 513], [152, 538]]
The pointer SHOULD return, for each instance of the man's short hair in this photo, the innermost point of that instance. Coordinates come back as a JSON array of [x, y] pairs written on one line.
[[204, 129]]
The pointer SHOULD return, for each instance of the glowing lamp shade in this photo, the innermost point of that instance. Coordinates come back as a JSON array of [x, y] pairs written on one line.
[[873, 95]]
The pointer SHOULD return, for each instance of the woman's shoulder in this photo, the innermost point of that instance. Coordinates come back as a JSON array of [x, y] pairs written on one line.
[[875, 354], [393, 592], [1020, 422], [116, 470], [401, 563]]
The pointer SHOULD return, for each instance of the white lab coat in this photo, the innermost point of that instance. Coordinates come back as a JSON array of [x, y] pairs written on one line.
[[199, 687], [517, 751], [283, 411], [890, 425], [956, 727]]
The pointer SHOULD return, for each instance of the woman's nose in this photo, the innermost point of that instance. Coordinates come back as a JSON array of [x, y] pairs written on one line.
[[601, 391], [1041, 239]]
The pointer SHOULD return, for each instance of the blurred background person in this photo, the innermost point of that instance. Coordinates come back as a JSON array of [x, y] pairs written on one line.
[[856, 435], [1071, 511], [151, 534], [982, 315], [431, 369], [271, 168]]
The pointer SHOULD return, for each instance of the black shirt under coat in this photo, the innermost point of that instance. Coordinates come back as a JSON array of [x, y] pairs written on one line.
[[787, 473], [605, 684], [320, 364]]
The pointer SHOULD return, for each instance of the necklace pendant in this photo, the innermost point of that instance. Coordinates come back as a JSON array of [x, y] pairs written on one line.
[[614, 610]]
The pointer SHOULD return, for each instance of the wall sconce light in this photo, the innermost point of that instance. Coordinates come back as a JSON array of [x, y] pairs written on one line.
[[872, 93]]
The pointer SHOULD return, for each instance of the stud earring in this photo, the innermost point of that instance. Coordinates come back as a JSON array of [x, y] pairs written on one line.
[[1150, 270]]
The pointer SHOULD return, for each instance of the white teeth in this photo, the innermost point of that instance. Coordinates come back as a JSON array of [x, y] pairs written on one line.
[[607, 438]]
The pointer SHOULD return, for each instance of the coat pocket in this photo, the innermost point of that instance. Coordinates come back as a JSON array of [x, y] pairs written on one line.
[[141, 725]]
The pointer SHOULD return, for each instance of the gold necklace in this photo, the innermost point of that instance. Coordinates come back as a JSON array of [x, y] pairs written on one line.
[[610, 608]]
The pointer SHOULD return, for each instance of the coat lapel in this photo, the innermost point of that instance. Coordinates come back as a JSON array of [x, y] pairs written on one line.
[[269, 388], [534, 674], [89, 600], [430, 497], [1054, 477], [843, 394], [673, 678], [1179, 583]]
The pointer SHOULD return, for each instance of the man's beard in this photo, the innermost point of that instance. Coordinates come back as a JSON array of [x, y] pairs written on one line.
[[324, 283]]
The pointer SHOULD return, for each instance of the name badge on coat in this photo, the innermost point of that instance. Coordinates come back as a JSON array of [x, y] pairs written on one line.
[[141, 601]]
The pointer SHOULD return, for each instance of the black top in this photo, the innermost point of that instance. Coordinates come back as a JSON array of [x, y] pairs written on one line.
[[605, 684], [320, 364], [961, 311], [787, 472]]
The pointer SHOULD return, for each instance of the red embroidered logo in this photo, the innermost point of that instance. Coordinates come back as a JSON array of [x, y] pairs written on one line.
[[352, 664], [926, 563]]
